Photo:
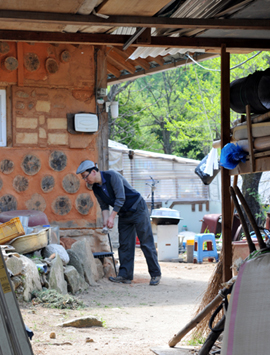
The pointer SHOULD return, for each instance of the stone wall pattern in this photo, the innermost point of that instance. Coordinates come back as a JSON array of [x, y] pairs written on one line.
[[37, 169]]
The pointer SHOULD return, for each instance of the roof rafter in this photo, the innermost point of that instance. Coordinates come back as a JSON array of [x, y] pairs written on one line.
[[132, 21], [161, 42]]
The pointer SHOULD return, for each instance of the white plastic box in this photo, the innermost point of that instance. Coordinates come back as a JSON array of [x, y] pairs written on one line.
[[167, 242]]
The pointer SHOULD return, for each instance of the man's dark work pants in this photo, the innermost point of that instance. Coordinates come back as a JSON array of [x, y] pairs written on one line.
[[138, 223]]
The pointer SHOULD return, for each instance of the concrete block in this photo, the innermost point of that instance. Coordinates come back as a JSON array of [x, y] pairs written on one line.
[[43, 106], [42, 133], [57, 123], [57, 138], [26, 138], [29, 123]]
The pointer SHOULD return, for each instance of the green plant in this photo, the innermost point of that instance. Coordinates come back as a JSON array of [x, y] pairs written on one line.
[[196, 341]]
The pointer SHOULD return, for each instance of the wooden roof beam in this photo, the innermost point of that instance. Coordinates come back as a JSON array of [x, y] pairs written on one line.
[[125, 54], [132, 21], [118, 58], [118, 40]]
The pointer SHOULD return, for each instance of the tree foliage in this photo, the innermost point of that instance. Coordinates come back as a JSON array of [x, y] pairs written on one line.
[[177, 111]]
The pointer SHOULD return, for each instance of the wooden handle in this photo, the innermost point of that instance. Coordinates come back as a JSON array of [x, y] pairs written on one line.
[[251, 218], [251, 245]]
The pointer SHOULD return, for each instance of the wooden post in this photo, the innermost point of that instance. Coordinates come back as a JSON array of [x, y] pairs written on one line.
[[103, 135], [225, 177]]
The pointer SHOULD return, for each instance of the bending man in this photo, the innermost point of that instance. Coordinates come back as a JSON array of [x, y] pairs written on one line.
[[112, 189]]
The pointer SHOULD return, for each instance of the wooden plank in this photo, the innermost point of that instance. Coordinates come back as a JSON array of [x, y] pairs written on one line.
[[101, 64], [131, 8], [160, 42], [137, 62], [225, 176], [113, 70], [250, 140], [103, 131], [117, 58], [20, 67], [131, 21], [159, 60]]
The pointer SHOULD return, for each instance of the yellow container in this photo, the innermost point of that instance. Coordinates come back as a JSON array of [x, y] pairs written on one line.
[[190, 242], [11, 230], [30, 242]]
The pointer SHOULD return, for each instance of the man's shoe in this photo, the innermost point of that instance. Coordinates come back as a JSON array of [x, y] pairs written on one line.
[[155, 280], [119, 280]]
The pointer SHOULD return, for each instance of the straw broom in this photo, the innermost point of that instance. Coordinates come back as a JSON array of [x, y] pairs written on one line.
[[214, 285]]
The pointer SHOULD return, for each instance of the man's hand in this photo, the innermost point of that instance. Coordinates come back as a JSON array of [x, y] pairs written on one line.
[[110, 222], [105, 215]]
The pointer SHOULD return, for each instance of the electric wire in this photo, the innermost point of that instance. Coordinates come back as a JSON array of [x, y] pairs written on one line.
[[236, 66]]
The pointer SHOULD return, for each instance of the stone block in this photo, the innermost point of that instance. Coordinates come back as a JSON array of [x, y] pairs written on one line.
[[26, 138], [74, 280], [57, 123], [83, 250], [43, 106], [31, 280], [42, 133], [75, 261], [56, 280], [57, 138], [41, 119], [29, 123], [15, 265]]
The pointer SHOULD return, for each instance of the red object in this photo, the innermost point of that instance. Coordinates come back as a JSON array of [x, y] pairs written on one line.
[[137, 241], [36, 218]]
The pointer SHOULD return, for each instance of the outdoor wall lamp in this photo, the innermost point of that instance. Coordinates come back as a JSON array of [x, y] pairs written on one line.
[[114, 108]]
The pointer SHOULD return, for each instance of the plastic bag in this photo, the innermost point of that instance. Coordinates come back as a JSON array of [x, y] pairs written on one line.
[[231, 155], [208, 168]]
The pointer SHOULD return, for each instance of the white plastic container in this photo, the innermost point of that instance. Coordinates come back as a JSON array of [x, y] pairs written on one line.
[[167, 242]]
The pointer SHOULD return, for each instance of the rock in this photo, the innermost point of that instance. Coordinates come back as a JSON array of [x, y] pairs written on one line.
[[16, 282], [14, 264], [31, 279], [53, 335], [84, 252], [67, 242], [108, 267], [57, 249], [99, 268], [83, 322], [89, 340], [56, 276], [75, 281], [75, 261]]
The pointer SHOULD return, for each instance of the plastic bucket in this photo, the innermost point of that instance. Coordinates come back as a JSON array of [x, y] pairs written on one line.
[[24, 221]]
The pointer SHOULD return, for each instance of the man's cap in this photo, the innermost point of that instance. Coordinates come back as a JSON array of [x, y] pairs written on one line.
[[85, 165]]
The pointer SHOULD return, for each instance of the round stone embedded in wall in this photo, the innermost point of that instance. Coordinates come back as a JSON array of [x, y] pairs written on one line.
[[65, 56], [6, 166], [71, 183], [31, 61], [8, 203], [83, 203], [11, 63], [31, 164], [20, 183], [58, 160], [36, 203], [4, 47], [61, 205], [89, 186], [1, 183], [47, 183], [51, 66]]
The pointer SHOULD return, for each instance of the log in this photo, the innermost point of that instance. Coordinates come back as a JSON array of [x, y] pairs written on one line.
[[192, 324]]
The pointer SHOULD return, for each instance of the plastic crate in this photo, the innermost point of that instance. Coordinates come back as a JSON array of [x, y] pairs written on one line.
[[10, 230]]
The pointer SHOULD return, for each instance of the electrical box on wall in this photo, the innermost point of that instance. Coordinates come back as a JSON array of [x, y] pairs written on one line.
[[86, 122]]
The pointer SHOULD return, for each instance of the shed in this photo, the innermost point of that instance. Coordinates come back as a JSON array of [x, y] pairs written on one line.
[[177, 186]]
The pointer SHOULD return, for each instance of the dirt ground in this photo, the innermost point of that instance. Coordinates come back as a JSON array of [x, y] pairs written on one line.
[[136, 317]]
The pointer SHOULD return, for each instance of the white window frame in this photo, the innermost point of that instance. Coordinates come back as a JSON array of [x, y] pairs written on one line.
[[3, 119]]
